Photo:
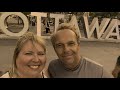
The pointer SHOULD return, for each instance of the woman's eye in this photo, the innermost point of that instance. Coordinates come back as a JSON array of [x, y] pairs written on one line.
[[28, 53], [41, 53]]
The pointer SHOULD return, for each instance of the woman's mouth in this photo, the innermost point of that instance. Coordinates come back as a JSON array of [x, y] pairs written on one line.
[[34, 66]]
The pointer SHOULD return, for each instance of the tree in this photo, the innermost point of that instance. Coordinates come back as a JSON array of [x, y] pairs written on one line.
[[26, 13], [104, 14]]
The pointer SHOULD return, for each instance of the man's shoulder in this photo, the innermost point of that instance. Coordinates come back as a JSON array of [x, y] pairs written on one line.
[[92, 62], [54, 62], [95, 69]]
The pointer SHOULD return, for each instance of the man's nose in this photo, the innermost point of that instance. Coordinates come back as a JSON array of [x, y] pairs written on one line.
[[66, 48]]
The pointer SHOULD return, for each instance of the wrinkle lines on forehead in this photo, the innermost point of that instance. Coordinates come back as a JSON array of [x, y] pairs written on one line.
[[65, 35]]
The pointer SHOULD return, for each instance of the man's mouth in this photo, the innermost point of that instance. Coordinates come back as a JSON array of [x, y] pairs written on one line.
[[67, 55]]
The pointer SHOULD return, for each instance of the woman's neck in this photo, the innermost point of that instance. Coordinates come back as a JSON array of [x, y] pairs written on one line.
[[19, 75]]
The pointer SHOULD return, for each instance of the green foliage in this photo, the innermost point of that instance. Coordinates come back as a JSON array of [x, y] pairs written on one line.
[[105, 14], [26, 13]]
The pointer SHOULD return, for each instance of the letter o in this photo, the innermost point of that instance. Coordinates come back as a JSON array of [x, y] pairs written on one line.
[[6, 31]]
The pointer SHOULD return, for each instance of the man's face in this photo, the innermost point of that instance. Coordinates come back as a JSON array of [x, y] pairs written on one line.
[[67, 48]]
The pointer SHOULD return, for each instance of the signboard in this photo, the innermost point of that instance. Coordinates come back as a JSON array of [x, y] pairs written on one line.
[[106, 29], [3, 25]]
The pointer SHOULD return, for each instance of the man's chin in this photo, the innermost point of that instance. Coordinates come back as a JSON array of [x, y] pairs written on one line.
[[68, 61], [68, 57]]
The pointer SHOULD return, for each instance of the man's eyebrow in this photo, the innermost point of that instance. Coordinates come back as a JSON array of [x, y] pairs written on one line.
[[71, 42], [58, 43]]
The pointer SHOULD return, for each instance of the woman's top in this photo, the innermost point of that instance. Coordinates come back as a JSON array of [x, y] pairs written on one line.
[[6, 75]]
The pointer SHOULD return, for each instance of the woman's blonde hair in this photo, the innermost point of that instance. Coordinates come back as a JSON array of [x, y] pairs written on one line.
[[29, 36]]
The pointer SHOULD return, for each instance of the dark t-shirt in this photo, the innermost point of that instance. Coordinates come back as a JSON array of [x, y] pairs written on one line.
[[86, 69]]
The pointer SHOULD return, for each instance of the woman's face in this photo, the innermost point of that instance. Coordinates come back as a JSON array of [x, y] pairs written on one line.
[[31, 60]]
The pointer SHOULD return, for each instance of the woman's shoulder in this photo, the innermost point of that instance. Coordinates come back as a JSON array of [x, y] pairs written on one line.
[[6, 75], [45, 73]]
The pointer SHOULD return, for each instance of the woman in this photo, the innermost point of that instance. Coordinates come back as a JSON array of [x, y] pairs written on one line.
[[29, 58]]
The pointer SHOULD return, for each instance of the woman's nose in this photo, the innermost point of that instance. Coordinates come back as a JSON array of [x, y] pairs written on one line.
[[36, 58]]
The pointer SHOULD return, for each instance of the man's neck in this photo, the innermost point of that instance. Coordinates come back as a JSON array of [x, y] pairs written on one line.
[[74, 66]]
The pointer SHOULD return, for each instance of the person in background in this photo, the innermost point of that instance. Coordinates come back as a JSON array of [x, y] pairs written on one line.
[[116, 70], [29, 58], [70, 64], [47, 27]]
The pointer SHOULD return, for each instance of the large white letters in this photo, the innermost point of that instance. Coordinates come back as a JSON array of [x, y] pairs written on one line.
[[108, 27], [6, 31], [39, 15], [74, 22], [101, 31]]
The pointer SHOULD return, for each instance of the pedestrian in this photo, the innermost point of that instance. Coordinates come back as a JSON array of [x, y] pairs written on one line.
[[33, 21], [47, 27], [116, 70]]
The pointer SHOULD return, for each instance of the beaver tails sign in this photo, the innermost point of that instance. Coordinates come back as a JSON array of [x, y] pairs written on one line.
[[105, 29]]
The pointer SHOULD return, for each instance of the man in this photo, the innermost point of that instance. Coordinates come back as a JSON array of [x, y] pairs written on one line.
[[66, 43]]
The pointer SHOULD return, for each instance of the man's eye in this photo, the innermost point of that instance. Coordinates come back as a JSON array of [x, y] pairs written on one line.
[[58, 45], [72, 44]]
